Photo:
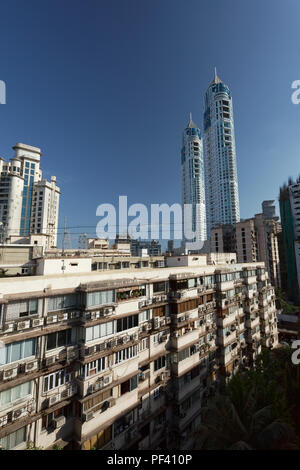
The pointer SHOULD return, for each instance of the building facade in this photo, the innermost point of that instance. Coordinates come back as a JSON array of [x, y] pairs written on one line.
[[254, 239], [192, 174], [221, 183], [289, 201], [120, 360], [28, 204], [138, 247]]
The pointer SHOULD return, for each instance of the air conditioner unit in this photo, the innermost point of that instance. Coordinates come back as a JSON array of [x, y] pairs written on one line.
[[59, 422], [145, 374], [162, 322], [88, 416], [30, 366], [148, 326], [107, 311], [23, 325], [54, 399], [97, 386], [156, 323], [162, 376], [168, 320], [37, 322], [19, 413], [3, 420], [50, 360], [10, 373], [126, 339], [8, 328], [107, 379], [62, 316], [51, 319]]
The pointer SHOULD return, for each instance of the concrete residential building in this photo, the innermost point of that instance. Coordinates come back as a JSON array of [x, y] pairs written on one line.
[[289, 201], [28, 204], [192, 174], [124, 360], [254, 239], [221, 183], [222, 239], [153, 247]]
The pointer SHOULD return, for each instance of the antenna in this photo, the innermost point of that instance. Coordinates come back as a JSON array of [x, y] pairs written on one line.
[[82, 241]]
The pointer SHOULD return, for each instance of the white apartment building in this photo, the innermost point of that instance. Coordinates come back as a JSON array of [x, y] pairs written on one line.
[[28, 204], [124, 359]]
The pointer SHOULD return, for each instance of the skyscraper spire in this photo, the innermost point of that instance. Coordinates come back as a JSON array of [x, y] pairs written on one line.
[[216, 78]]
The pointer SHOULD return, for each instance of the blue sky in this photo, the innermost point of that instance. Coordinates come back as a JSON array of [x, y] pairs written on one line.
[[105, 89]]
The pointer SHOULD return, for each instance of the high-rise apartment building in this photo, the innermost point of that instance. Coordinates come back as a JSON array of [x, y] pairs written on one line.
[[289, 202], [254, 239], [192, 173], [221, 183], [28, 203], [125, 359]]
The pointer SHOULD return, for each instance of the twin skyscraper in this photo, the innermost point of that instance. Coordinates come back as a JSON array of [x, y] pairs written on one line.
[[209, 174]]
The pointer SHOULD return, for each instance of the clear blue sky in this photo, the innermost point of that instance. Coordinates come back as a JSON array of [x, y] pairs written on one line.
[[105, 89]]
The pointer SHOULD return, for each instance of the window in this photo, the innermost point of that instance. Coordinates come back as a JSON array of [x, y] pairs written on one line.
[[99, 331], [15, 393], [47, 420], [22, 309], [100, 298], [94, 367], [13, 439], [129, 385], [127, 323], [16, 351], [159, 311], [144, 344], [123, 423], [58, 339], [98, 440], [144, 316], [160, 287], [159, 363], [63, 301], [58, 378], [157, 392], [96, 403], [125, 354]]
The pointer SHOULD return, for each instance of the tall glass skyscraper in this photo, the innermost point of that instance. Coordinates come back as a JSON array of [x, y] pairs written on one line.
[[221, 184], [192, 171]]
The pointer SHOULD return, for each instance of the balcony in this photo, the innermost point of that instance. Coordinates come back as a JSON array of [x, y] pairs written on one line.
[[28, 408], [227, 339], [61, 393], [252, 322], [184, 337]]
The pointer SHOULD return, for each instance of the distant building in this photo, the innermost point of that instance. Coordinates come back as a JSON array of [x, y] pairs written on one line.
[[254, 239], [153, 247], [192, 174], [221, 183], [28, 204], [289, 202]]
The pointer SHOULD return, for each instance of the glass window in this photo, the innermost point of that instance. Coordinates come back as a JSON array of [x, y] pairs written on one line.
[[100, 298], [12, 394], [59, 339], [61, 302], [13, 439]]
